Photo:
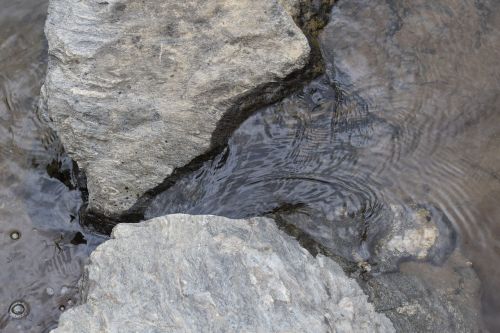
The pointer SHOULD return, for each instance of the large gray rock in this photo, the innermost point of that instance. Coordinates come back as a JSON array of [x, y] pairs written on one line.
[[182, 273], [136, 89]]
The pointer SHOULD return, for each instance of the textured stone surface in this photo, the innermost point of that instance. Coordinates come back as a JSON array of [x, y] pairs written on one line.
[[137, 89], [182, 273], [292, 6], [417, 232], [428, 298]]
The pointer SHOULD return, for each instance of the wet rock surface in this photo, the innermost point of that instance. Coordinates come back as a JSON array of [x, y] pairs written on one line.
[[205, 273], [136, 89]]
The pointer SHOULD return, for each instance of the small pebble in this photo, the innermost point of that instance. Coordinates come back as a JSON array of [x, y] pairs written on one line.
[[62, 308]]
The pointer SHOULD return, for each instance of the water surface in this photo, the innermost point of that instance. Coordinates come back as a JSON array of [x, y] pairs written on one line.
[[42, 266], [409, 111]]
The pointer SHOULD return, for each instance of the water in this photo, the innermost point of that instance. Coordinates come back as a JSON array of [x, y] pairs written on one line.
[[408, 112], [42, 251]]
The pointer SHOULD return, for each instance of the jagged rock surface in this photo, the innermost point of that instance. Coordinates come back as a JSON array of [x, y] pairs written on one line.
[[137, 89], [182, 273]]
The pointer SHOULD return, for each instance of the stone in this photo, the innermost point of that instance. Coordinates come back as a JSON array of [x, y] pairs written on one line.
[[138, 89], [429, 298], [183, 273], [417, 232], [381, 241], [292, 6]]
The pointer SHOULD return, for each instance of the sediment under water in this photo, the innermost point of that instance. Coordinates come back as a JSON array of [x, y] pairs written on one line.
[[408, 111]]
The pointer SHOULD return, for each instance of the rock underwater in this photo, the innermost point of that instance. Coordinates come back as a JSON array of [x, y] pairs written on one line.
[[183, 273], [137, 89]]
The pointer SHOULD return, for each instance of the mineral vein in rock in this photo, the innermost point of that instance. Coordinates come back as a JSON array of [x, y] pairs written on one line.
[[182, 273], [136, 89]]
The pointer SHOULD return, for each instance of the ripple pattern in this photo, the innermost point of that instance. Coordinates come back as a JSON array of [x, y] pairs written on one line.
[[408, 111], [41, 265]]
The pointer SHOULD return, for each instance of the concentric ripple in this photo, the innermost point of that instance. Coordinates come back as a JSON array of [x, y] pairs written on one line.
[[303, 150], [42, 246], [409, 111]]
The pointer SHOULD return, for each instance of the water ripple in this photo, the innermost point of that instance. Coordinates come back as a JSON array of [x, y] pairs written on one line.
[[408, 112]]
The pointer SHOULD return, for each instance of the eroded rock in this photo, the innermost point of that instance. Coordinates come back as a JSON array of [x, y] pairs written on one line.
[[138, 89], [182, 273]]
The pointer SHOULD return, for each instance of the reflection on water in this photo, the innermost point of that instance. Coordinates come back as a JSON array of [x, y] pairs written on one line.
[[42, 251], [409, 112], [431, 68]]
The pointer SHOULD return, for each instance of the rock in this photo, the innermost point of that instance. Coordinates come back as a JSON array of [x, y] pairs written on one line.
[[182, 273], [292, 6], [382, 238], [136, 90], [417, 232], [427, 298]]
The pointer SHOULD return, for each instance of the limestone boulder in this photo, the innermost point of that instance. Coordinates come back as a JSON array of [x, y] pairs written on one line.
[[136, 89], [183, 273]]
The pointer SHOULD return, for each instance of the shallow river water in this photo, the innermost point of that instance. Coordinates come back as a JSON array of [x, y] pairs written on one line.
[[42, 246], [408, 112]]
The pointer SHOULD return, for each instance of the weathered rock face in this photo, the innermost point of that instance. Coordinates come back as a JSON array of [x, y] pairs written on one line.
[[182, 273], [137, 89]]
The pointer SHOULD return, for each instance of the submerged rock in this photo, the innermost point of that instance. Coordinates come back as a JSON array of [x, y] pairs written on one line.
[[427, 298], [183, 273], [138, 89], [379, 238], [417, 232]]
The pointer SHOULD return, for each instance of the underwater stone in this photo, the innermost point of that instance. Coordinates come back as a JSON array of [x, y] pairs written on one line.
[[182, 273], [416, 232], [381, 239], [429, 298], [137, 89]]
